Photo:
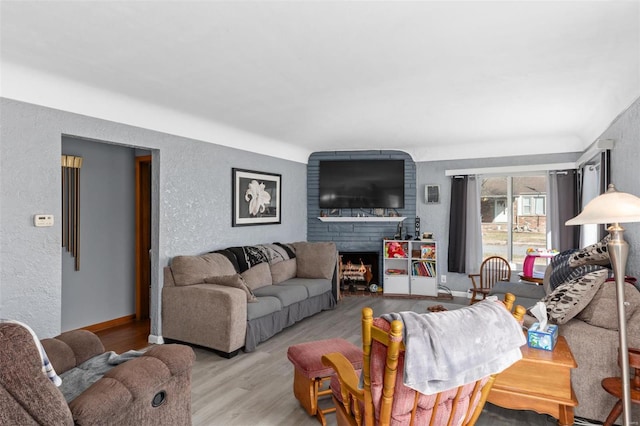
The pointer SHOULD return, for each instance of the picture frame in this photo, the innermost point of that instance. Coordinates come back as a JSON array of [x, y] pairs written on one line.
[[256, 197], [432, 194]]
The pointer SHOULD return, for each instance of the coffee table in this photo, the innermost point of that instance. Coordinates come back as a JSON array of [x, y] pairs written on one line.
[[540, 381]]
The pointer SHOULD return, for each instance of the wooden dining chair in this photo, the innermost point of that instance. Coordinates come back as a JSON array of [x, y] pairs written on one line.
[[492, 270], [613, 385], [382, 398]]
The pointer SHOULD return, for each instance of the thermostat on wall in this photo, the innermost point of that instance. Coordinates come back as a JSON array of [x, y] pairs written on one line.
[[43, 220]]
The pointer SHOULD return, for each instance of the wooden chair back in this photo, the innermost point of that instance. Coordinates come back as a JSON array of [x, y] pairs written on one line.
[[492, 270], [384, 399], [613, 385]]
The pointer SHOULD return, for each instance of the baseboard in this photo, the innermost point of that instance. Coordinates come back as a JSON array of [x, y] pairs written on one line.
[[110, 324], [456, 293], [156, 340]]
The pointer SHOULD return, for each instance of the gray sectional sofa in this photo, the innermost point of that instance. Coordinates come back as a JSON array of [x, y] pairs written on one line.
[[581, 299], [237, 297]]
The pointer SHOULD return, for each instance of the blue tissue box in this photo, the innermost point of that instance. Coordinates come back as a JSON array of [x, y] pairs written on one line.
[[542, 339]]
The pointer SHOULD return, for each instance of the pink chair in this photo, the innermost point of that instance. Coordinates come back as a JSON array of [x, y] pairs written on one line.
[[384, 399]]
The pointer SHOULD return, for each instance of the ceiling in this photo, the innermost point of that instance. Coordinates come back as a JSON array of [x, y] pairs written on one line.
[[439, 80]]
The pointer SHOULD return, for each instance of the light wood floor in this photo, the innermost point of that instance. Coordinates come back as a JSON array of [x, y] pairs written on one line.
[[134, 335], [256, 388]]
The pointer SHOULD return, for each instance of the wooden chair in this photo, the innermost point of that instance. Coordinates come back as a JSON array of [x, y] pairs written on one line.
[[384, 398], [492, 270], [613, 385]]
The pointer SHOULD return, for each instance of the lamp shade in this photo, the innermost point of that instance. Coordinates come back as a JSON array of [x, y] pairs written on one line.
[[610, 207]]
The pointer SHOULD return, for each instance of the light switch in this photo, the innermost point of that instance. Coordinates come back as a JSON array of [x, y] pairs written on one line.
[[43, 220]]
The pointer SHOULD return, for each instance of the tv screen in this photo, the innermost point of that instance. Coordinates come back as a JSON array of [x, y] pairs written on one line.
[[362, 184]]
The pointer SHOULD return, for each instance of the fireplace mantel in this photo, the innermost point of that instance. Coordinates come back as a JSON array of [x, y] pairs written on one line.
[[362, 219]]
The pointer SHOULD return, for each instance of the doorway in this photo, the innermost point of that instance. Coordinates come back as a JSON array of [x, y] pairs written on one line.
[[143, 235]]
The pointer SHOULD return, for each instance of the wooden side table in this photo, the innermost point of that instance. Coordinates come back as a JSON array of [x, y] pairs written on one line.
[[540, 381]]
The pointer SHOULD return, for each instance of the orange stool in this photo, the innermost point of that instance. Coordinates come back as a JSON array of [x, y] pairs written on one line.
[[613, 385], [310, 375]]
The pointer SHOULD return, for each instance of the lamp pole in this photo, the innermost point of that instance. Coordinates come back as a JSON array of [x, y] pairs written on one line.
[[618, 252]]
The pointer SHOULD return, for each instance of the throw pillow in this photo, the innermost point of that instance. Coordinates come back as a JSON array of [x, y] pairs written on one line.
[[316, 260], [235, 281], [568, 299], [258, 276], [188, 270], [603, 309], [595, 254], [559, 269], [283, 271]]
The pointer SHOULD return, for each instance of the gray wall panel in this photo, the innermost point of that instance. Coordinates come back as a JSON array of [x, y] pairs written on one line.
[[104, 287], [192, 192]]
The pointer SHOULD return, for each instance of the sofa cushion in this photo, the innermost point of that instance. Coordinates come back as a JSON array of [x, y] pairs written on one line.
[[595, 254], [257, 276], [283, 270], [568, 299], [522, 289], [287, 294], [236, 281], [266, 305], [602, 311], [314, 286], [188, 270], [315, 260]]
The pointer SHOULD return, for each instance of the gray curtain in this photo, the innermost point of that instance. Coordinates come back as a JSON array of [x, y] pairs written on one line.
[[563, 205], [474, 227], [594, 179], [605, 180], [589, 189], [458, 225]]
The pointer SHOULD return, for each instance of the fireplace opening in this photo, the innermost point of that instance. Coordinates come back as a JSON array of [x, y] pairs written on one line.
[[358, 270]]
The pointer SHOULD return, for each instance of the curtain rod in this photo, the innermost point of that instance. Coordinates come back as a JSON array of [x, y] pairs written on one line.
[[511, 169]]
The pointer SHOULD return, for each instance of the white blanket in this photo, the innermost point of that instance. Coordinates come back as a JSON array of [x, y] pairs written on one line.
[[444, 350]]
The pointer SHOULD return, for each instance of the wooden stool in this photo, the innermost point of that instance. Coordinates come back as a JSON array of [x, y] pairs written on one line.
[[310, 374], [613, 385]]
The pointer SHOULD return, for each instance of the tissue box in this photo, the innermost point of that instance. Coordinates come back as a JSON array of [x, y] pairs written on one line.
[[542, 339]]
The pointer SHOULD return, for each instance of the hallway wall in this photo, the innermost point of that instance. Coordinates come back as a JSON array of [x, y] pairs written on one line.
[[104, 287]]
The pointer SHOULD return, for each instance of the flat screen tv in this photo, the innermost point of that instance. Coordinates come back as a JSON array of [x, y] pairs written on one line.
[[362, 184]]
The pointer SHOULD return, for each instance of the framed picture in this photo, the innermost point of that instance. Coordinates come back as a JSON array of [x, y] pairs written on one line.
[[432, 194], [256, 197]]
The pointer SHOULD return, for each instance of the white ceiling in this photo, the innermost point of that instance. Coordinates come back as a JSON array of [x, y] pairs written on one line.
[[440, 80]]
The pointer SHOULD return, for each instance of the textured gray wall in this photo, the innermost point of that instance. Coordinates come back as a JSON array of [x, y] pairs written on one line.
[[625, 161], [104, 287], [435, 217], [192, 182], [358, 236], [192, 192]]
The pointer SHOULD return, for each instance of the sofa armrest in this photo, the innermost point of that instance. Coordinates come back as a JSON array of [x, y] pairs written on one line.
[[209, 315], [71, 349], [154, 389]]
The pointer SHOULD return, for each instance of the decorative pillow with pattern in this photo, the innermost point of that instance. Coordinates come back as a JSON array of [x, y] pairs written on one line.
[[560, 268], [595, 254], [568, 299]]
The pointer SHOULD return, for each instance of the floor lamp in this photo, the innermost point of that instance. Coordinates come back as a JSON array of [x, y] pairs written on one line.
[[613, 208]]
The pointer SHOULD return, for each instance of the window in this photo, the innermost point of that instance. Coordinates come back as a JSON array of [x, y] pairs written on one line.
[[531, 205], [513, 210]]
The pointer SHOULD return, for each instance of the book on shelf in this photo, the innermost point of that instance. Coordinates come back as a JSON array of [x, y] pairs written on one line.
[[424, 269], [428, 251]]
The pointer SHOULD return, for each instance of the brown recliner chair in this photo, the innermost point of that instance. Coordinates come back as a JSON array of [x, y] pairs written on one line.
[[153, 389]]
